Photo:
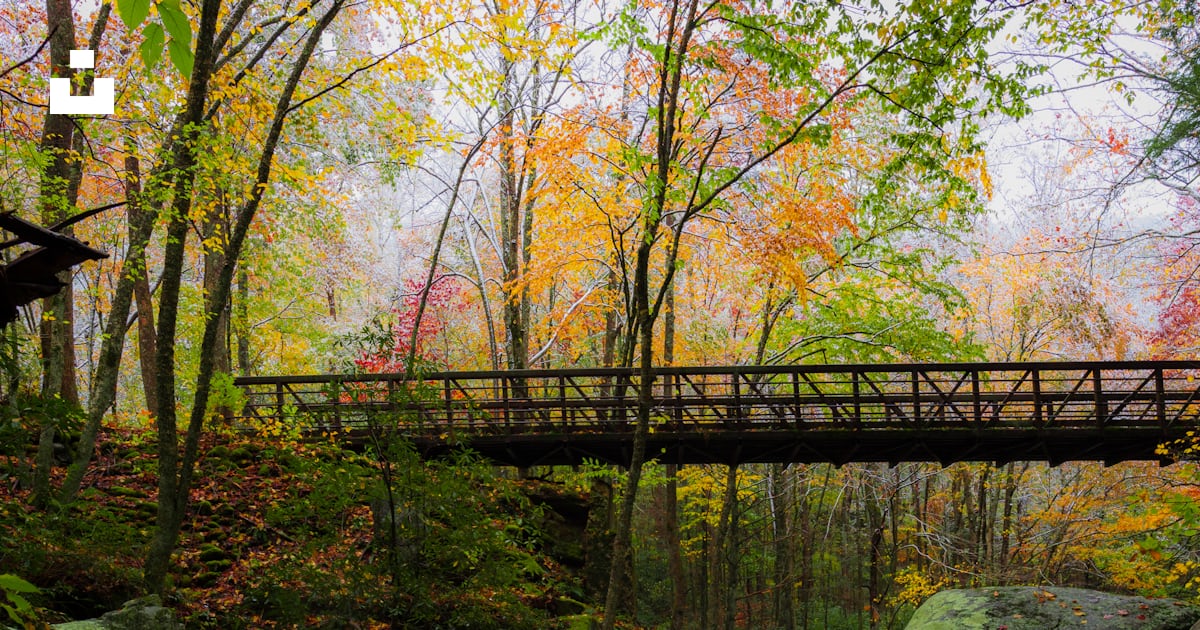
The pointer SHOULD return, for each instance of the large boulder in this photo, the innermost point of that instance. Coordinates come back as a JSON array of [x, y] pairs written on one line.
[[145, 613], [1038, 608]]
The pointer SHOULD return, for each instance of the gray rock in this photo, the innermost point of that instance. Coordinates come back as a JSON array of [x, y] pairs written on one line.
[[144, 613], [1037, 608]]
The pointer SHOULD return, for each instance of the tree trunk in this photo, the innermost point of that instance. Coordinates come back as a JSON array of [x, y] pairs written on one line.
[[485, 302], [783, 597], [62, 335], [644, 313], [515, 334], [730, 551], [624, 534], [54, 201], [804, 520], [104, 386], [1006, 524], [136, 262], [216, 239], [216, 236], [720, 581], [671, 491], [175, 473], [980, 529], [874, 594], [172, 499], [670, 533], [242, 322]]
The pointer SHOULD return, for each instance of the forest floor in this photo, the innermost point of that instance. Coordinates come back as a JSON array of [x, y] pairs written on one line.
[[283, 536]]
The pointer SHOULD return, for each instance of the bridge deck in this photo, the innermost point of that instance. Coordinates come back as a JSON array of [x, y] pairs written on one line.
[[1103, 411]]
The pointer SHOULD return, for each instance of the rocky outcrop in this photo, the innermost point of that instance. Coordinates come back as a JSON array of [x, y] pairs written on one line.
[[1038, 608]]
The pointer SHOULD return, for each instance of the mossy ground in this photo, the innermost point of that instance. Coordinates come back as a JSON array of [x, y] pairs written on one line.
[[277, 536]]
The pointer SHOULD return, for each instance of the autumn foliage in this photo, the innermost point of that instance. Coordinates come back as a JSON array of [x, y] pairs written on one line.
[[396, 186]]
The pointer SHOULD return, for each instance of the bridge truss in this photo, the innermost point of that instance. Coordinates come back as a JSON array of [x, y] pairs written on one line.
[[1108, 411]]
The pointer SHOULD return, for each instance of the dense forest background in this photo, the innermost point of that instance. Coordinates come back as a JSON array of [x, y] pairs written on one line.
[[383, 186]]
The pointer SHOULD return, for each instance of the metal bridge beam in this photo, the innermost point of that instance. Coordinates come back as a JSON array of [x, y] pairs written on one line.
[[1107, 411]]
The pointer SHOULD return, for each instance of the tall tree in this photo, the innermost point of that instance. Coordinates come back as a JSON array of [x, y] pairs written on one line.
[[176, 469], [698, 150], [61, 178]]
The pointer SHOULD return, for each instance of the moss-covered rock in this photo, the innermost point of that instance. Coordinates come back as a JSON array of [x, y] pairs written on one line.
[[241, 454], [289, 462], [219, 565], [205, 579], [146, 613], [1037, 608], [121, 491], [210, 552]]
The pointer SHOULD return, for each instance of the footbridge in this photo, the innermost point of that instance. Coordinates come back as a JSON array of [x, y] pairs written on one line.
[[1108, 411]]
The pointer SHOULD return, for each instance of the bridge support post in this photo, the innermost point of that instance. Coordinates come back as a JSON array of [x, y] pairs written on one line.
[[1100, 402]]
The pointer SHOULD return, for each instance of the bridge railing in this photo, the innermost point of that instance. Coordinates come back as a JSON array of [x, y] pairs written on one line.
[[854, 397]]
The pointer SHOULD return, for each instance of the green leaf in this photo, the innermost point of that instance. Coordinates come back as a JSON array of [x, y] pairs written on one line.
[[133, 12], [12, 613], [14, 584], [22, 604], [181, 56], [176, 22], [152, 44]]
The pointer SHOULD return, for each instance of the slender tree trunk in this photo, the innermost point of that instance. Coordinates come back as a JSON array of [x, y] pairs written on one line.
[[435, 257], [241, 323], [609, 343], [644, 312], [703, 578], [991, 543], [216, 236], [172, 498], [918, 511], [484, 301], [670, 532], [526, 258], [57, 135], [61, 332], [980, 530], [783, 597], [671, 491], [133, 271], [147, 342], [624, 534], [175, 473], [515, 333], [720, 582], [730, 552], [1006, 524], [10, 368], [874, 593]]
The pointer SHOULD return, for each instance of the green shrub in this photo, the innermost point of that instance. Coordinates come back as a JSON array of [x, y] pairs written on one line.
[[18, 609]]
